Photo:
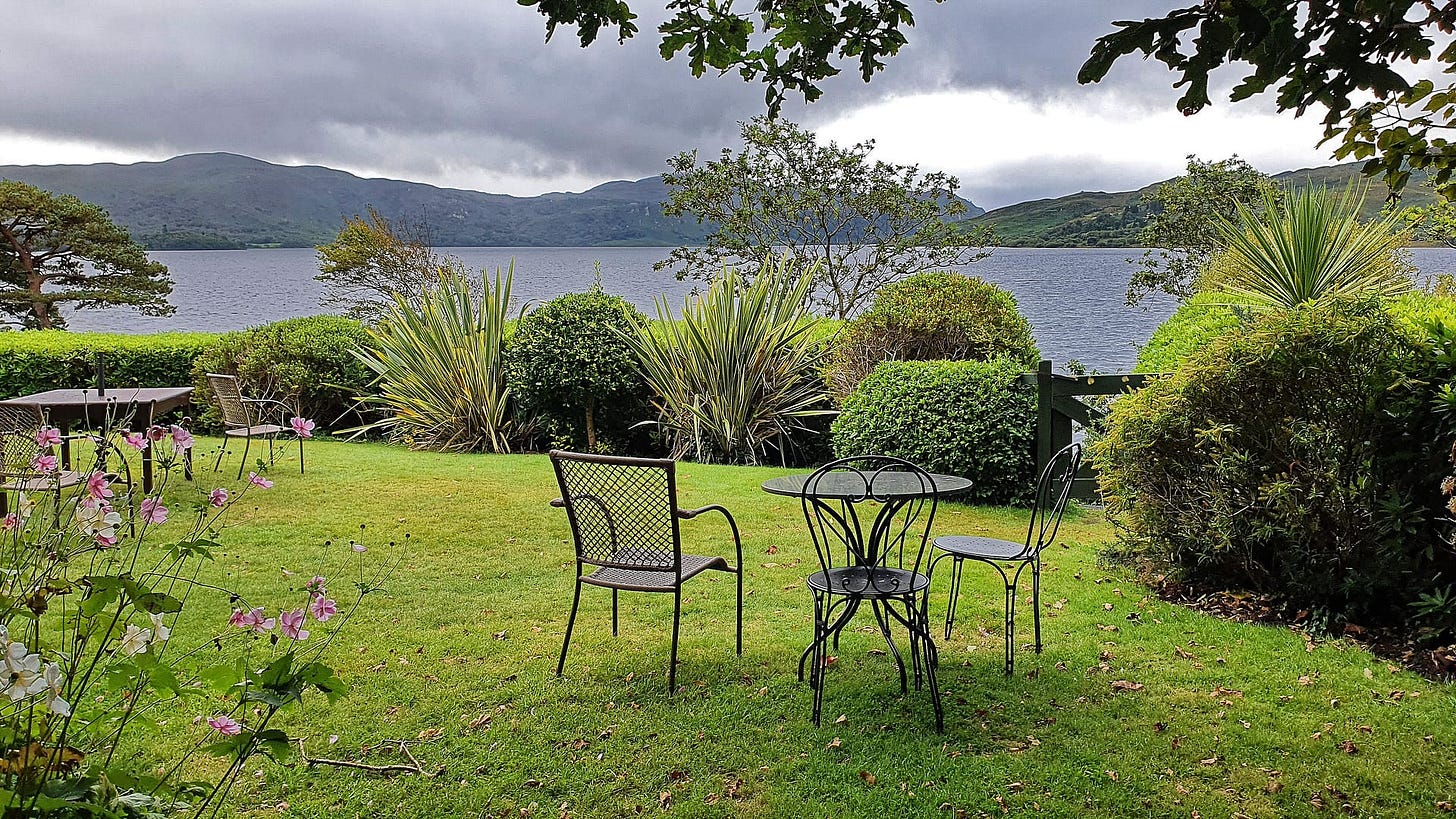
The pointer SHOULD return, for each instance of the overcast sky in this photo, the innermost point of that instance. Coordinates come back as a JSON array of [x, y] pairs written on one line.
[[465, 93]]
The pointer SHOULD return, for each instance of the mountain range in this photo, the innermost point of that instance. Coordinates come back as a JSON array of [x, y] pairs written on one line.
[[221, 200]]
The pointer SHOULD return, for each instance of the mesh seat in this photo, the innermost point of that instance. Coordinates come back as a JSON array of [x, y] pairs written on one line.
[[624, 522], [1053, 488], [19, 426], [250, 418], [865, 583]]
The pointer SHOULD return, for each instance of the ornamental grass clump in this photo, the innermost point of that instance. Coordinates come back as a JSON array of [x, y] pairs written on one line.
[[440, 367], [94, 654], [737, 376]]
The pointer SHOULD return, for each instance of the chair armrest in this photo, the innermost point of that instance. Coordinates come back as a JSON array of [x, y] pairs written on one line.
[[689, 514], [558, 503]]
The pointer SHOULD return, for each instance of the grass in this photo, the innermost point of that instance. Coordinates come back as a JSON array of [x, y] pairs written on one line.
[[460, 653]]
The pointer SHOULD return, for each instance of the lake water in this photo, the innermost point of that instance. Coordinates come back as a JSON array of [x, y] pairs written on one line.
[[1072, 297]]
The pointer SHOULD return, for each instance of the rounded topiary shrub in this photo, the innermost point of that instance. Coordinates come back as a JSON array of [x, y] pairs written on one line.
[[572, 371], [1196, 323], [928, 317], [306, 362], [966, 418], [1302, 456]]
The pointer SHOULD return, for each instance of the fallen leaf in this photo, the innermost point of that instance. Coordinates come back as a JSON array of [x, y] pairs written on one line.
[[499, 635], [1348, 746], [1112, 775], [869, 778], [833, 743], [664, 800], [1126, 685]]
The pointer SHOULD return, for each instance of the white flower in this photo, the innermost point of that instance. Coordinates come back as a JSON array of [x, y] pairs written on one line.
[[52, 684], [160, 632], [22, 671], [135, 640], [97, 519], [25, 507]]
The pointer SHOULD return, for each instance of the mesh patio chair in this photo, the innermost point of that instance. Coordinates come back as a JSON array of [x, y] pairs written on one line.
[[250, 418], [19, 447], [1053, 489], [880, 564], [624, 521]]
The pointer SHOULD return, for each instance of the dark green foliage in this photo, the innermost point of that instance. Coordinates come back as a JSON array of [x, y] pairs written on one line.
[[571, 368], [927, 317], [305, 362], [956, 417], [38, 360], [1303, 455]]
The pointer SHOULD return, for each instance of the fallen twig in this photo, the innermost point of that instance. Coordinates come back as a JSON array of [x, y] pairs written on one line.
[[383, 770]]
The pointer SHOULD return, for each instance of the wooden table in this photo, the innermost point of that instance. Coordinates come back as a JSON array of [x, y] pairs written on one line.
[[65, 409]]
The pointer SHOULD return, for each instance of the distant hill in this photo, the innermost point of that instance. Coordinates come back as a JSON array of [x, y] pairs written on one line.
[[1097, 219], [219, 200]]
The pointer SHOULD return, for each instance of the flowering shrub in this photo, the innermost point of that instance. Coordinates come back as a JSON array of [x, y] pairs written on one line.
[[95, 575]]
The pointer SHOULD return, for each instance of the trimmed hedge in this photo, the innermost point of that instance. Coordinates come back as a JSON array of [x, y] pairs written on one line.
[[38, 360], [308, 361], [964, 418]]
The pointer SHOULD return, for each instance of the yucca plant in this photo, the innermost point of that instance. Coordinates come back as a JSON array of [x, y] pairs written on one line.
[[738, 373], [1311, 246], [440, 366]]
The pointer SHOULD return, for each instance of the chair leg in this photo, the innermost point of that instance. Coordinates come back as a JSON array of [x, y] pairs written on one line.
[[883, 620], [614, 612], [300, 454], [1036, 602], [955, 593], [570, 621], [1010, 627], [676, 621], [820, 647], [740, 610], [242, 464], [271, 438], [220, 450]]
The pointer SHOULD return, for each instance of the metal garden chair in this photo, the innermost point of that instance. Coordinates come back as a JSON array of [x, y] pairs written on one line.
[[624, 522], [1053, 489], [250, 418], [880, 564], [19, 447]]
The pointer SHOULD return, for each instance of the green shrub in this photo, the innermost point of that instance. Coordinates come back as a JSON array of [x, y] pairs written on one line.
[[305, 362], [573, 371], [928, 317], [736, 378], [964, 418], [1194, 325], [440, 367], [1302, 456], [38, 360]]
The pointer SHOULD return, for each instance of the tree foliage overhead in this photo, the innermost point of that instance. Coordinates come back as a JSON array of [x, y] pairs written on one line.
[[785, 193], [371, 261], [1182, 233], [1339, 55], [788, 45], [56, 249]]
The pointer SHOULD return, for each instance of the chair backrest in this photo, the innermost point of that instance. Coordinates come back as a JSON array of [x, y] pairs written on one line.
[[898, 530], [19, 424], [230, 399], [1053, 489], [622, 510]]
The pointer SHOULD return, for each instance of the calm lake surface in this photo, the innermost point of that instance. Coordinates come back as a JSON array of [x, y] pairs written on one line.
[[1072, 297]]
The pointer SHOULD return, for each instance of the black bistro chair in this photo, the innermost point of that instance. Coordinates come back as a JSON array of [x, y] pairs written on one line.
[[1053, 489], [624, 519], [880, 564]]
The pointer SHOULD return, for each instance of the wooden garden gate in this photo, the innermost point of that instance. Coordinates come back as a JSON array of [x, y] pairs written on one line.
[[1058, 406]]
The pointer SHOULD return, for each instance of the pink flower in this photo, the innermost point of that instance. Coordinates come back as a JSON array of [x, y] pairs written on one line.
[[302, 427], [225, 725], [45, 464], [156, 433], [259, 481], [218, 497], [10, 523], [358, 547], [315, 586], [106, 538], [291, 624], [153, 511], [97, 486], [252, 619], [47, 436], [323, 608], [135, 440], [181, 438]]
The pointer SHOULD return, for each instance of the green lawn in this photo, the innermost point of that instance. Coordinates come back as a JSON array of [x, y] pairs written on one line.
[[1230, 720]]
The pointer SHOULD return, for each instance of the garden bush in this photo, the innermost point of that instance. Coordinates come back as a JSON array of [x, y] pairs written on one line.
[[931, 316], [38, 360], [1196, 323], [1303, 456], [573, 372], [307, 362], [956, 417]]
